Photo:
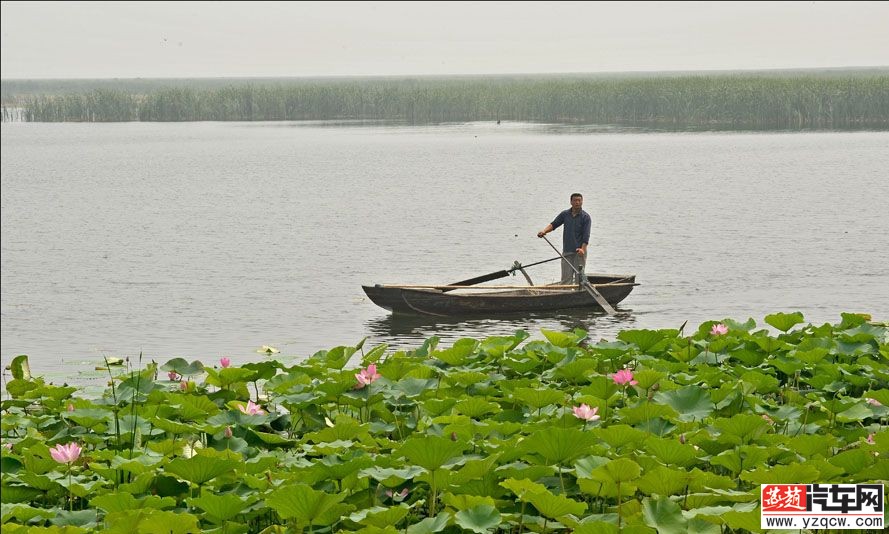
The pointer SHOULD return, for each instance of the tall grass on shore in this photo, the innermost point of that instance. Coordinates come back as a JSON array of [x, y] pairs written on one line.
[[710, 102]]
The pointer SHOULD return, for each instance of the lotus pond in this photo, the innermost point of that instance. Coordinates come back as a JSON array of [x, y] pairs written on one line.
[[656, 431]]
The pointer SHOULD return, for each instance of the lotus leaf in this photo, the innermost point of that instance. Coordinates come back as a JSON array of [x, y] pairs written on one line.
[[201, 468], [430, 452], [478, 519], [307, 506], [430, 525], [219, 507]]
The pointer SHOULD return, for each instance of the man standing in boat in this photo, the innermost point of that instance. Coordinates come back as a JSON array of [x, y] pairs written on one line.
[[575, 237]]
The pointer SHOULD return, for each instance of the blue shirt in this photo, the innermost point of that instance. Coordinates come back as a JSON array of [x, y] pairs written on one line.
[[577, 229]]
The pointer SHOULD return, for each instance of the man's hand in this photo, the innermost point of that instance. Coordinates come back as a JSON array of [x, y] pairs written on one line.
[[541, 233], [580, 251]]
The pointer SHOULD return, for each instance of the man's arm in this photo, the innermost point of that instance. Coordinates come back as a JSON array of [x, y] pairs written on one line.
[[557, 222], [548, 229]]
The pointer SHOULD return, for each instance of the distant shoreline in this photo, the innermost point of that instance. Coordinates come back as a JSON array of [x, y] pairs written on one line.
[[817, 99]]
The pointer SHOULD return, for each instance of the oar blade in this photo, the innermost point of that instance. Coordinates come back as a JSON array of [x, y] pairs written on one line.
[[479, 279]]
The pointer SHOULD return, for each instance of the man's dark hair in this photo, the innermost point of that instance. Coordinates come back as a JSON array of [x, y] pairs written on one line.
[[575, 195]]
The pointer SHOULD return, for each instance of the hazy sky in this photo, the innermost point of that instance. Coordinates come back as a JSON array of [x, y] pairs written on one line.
[[204, 39]]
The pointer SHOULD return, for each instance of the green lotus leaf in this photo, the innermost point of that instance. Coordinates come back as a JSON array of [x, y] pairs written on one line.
[[475, 469], [562, 339], [173, 427], [645, 412], [671, 451], [430, 452], [749, 521], [306, 505], [414, 387], [10, 465], [182, 367], [478, 519], [811, 357], [169, 523], [664, 515], [537, 398], [746, 326], [195, 407], [374, 354], [521, 363], [761, 382], [647, 340], [741, 458], [812, 445], [559, 445], [752, 358], [601, 387], [20, 368], [435, 407], [662, 481], [386, 517], [523, 487], [345, 429], [201, 468], [430, 525], [784, 321], [465, 501], [595, 527], [254, 437], [741, 429], [476, 407], [465, 378], [858, 412], [219, 508], [780, 474], [14, 493], [648, 377], [23, 513], [334, 468], [17, 387], [619, 436], [554, 506], [497, 346], [853, 461], [458, 354], [617, 471]]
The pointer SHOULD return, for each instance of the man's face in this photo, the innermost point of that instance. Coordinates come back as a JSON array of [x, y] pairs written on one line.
[[576, 203]]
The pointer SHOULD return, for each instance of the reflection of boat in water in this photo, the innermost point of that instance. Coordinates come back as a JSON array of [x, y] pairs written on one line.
[[445, 301], [410, 331]]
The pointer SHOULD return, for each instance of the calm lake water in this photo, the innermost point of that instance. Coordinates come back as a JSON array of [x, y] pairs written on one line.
[[204, 240]]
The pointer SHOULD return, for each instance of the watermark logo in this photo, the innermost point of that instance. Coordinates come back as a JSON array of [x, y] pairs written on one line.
[[822, 506]]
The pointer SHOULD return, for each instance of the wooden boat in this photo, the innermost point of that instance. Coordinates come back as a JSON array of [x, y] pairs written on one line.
[[445, 300]]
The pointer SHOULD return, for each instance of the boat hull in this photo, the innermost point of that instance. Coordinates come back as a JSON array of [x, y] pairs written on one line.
[[615, 288]]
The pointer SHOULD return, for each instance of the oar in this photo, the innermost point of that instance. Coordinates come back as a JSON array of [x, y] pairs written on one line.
[[585, 283], [493, 276]]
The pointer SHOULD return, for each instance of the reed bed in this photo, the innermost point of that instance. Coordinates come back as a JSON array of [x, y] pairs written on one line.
[[708, 102]]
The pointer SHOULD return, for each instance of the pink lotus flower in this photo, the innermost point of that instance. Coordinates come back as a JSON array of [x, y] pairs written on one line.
[[719, 330], [173, 376], [870, 439], [8, 446], [225, 362], [66, 454], [398, 497], [767, 419], [227, 432], [873, 402], [251, 409], [366, 376], [586, 413], [183, 385], [624, 377]]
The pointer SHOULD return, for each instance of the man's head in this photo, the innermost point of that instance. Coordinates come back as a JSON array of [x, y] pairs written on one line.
[[576, 201]]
